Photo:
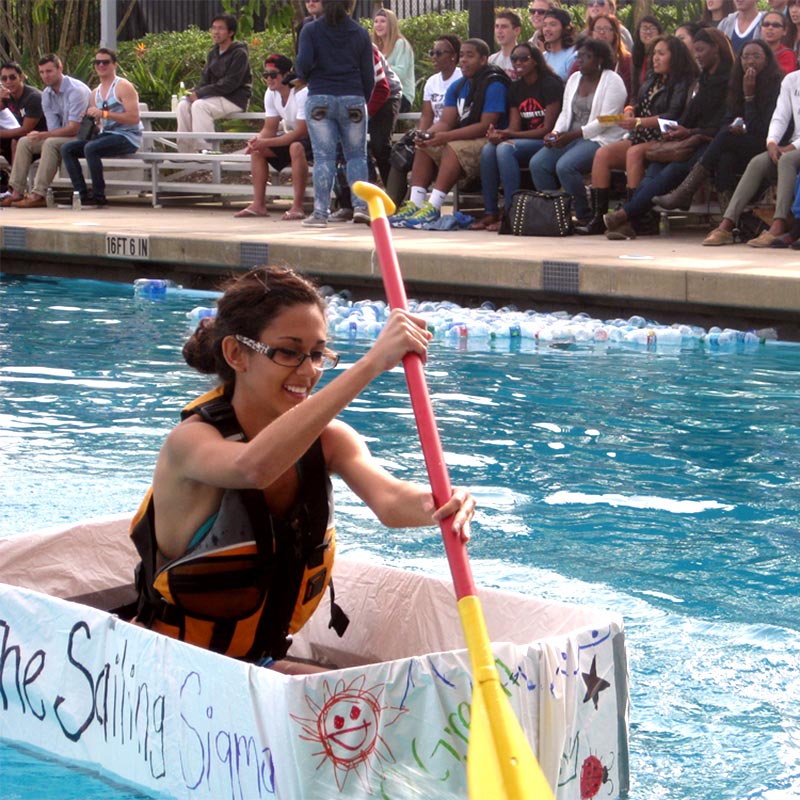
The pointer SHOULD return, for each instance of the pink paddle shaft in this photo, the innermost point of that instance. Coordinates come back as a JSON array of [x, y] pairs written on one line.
[[423, 413]]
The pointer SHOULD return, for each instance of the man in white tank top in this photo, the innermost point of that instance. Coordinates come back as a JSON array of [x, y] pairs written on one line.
[[114, 105]]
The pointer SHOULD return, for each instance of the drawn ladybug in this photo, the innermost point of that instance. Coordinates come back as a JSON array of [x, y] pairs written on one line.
[[593, 776]]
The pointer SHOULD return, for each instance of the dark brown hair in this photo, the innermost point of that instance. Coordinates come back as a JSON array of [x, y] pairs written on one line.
[[249, 303]]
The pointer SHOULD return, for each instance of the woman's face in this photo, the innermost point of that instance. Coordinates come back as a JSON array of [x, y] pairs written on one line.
[[773, 28], [714, 5], [604, 31], [753, 57], [299, 328], [537, 9], [661, 59], [794, 11], [684, 35], [596, 7], [380, 24], [706, 55], [443, 55], [588, 63], [552, 30], [523, 62], [647, 32]]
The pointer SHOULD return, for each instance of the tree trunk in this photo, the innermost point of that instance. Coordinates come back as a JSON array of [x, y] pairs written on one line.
[[641, 8]]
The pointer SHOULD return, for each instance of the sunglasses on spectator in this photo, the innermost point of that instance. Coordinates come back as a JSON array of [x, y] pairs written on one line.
[[6, 78], [772, 25], [272, 74], [537, 11], [515, 59], [102, 62], [596, 3], [437, 53]]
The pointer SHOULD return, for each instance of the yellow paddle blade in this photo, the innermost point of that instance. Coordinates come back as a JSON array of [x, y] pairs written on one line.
[[500, 762]]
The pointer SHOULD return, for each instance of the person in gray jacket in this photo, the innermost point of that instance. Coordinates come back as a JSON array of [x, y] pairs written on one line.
[[224, 89]]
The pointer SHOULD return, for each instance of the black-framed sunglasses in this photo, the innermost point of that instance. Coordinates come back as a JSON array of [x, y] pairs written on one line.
[[289, 357], [515, 59], [272, 74], [772, 25], [8, 78], [102, 62], [438, 53], [537, 11]]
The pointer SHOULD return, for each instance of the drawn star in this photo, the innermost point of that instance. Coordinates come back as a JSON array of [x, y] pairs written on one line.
[[594, 684]]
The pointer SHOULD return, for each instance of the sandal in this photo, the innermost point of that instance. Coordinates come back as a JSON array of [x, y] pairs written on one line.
[[292, 215], [249, 212], [494, 227], [484, 222]]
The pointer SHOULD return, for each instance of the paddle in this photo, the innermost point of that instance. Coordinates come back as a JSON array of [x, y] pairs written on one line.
[[500, 762]]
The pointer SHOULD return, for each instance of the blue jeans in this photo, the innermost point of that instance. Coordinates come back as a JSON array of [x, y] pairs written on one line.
[[105, 145], [331, 121], [501, 163], [660, 179], [564, 167]]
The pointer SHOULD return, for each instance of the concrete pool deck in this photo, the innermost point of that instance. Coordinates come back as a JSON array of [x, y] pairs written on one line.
[[668, 278]]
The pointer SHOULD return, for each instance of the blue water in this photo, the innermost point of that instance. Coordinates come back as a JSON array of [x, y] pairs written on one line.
[[665, 487]]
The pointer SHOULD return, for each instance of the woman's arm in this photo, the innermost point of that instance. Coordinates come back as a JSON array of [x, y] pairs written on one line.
[[396, 503], [197, 453]]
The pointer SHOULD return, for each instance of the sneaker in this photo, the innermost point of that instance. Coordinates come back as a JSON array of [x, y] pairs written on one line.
[[342, 215], [360, 215], [426, 213], [315, 222], [406, 210]]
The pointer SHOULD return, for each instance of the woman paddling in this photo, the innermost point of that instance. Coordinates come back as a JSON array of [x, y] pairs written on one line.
[[237, 538]]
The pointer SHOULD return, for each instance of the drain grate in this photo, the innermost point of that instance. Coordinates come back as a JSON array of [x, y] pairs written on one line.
[[15, 238], [562, 277], [253, 254]]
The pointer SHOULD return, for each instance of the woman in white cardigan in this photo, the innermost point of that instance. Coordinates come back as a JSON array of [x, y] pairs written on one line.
[[591, 93]]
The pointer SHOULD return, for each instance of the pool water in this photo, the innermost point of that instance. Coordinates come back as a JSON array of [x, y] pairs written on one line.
[[665, 487]]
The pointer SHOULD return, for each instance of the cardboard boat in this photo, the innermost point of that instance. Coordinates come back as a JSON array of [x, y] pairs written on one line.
[[390, 720]]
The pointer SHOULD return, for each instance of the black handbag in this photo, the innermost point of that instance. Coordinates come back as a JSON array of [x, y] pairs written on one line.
[[87, 129], [533, 213], [402, 155]]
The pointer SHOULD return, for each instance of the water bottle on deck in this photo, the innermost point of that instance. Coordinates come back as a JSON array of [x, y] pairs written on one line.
[[76, 201]]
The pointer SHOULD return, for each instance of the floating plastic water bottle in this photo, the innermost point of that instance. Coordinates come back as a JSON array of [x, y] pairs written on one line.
[[151, 288], [201, 312], [76, 201], [49, 198]]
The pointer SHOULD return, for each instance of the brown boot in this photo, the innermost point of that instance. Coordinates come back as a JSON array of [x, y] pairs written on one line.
[[681, 197]]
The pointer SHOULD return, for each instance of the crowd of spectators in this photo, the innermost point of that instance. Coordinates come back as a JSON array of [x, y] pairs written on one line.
[[571, 109]]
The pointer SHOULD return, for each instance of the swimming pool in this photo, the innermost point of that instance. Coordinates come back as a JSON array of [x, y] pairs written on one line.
[[662, 486]]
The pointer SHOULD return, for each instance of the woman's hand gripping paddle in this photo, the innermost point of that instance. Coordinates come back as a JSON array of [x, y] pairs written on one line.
[[500, 762]]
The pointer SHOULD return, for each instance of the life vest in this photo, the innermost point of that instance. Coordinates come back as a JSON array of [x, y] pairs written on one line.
[[252, 579]]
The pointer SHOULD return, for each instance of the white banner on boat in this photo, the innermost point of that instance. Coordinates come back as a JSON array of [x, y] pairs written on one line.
[[186, 723]]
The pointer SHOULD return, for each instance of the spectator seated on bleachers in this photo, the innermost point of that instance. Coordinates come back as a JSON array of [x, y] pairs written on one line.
[[507, 28], [397, 50], [591, 94], [444, 56], [559, 41], [472, 104], [780, 161], [534, 102], [754, 88], [224, 88], [115, 107], [21, 106], [285, 106], [664, 94], [64, 103], [700, 122]]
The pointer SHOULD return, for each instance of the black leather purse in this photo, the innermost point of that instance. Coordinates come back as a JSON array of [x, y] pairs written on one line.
[[533, 213]]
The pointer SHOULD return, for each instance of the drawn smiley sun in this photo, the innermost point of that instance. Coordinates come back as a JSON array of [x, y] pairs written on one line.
[[348, 723]]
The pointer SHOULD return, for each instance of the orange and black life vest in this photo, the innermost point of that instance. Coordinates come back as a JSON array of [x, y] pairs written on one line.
[[252, 579]]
